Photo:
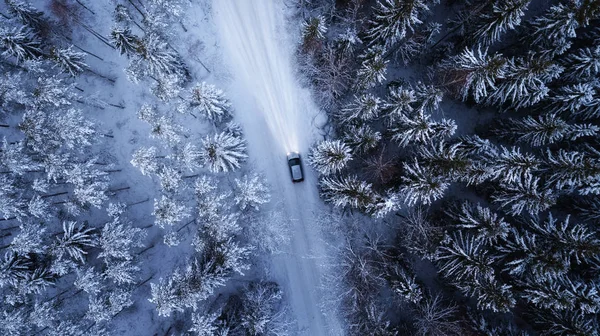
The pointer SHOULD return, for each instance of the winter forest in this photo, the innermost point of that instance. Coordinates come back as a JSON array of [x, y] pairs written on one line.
[[450, 151]]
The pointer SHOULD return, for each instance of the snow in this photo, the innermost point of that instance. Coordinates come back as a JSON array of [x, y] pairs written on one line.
[[278, 116]]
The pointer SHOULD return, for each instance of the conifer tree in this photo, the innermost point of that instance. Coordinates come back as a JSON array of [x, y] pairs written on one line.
[[125, 41], [69, 60], [28, 15], [421, 185], [347, 191], [372, 69], [222, 152], [505, 15], [582, 64], [330, 156], [209, 101], [525, 194], [366, 107], [394, 19], [361, 139], [20, 43]]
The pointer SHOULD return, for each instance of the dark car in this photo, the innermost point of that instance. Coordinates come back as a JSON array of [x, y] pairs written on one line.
[[295, 166]]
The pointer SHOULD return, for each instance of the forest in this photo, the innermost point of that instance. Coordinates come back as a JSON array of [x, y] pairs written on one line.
[[458, 171]]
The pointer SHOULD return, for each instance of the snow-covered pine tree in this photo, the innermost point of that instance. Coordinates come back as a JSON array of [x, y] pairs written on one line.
[[209, 101], [552, 32], [486, 225], [361, 139], [29, 240], [118, 238], [511, 166], [446, 160], [251, 192], [222, 152], [144, 159], [69, 60], [473, 72], [169, 212], [347, 41], [15, 159], [571, 170], [105, 306], [204, 324], [260, 312], [418, 127], [28, 14], [372, 69], [490, 294], [394, 19], [524, 81], [524, 194], [313, 32], [421, 185], [187, 156], [582, 64], [505, 15], [165, 129], [429, 97], [167, 87], [20, 43], [571, 98], [463, 258], [125, 41], [405, 285], [74, 242], [399, 103], [545, 129], [365, 107], [347, 192], [330, 156]]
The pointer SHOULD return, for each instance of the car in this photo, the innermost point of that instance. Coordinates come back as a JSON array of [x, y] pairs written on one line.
[[295, 164]]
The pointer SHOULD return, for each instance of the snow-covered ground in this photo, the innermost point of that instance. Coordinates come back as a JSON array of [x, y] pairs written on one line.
[[277, 116]]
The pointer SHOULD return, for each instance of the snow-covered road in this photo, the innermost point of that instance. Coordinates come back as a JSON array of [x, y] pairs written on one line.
[[277, 116]]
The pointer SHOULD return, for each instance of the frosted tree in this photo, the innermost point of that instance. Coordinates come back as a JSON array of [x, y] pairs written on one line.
[[169, 212], [73, 129], [421, 185], [583, 64], [361, 139], [13, 322], [222, 152], [511, 166], [419, 128], [429, 97], [417, 44], [487, 225], [347, 191], [260, 314], [163, 128], [399, 103], [473, 72], [395, 18], [524, 81], [569, 99], [553, 31], [446, 160], [89, 281], [13, 268], [52, 91], [372, 69], [20, 43], [14, 157], [405, 286], [505, 15], [159, 59], [434, 317], [69, 60], [204, 324], [209, 101], [74, 242], [167, 87], [330, 156], [125, 41], [545, 129], [170, 179], [560, 322], [121, 271], [117, 239], [28, 15], [144, 159], [365, 107], [491, 294], [463, 258], [251, 192], [313, 32], [571, 170], [524, 194], [30, 239], [105, 306], [188, 156], [348, 41]]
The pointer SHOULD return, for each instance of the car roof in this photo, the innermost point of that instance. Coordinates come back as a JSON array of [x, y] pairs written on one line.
[[293, 155], [296, 172]]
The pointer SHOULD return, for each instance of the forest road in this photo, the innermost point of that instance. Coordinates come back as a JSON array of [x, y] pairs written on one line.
[[277, 116]]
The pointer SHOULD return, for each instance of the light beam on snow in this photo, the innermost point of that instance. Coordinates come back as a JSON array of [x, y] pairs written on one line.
[[252, 32]]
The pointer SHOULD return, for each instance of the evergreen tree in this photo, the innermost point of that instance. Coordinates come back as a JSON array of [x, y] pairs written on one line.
[[361, 139], [74, 241], [28, 15], [313, 32], [118, 238], [347, 191], [394, 19], [125, 41], [144, 159], [511, 166], [20, 43], [524, 194], [188, 156], [259, 313], [505, 15], [571, 170], [372, 69], [251, 192], [419, 128], [583, 64], [330, 156], [569, 99], [473, 73], [421, 185], [490, 294], [204, 324], [487, 225], [169, 212], [365, 107], [399, 104], [69, 60], [209, 102], [222, 152], [464, 258], [552, 33]]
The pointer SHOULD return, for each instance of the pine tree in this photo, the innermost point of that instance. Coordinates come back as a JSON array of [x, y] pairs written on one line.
[[505, 15], [125, 41], [28, 15], [13, 322], [144, 159], [418, 43], [560, 322], [222, 152], [429, 97], [20, 43], [399, 104], [490, 294], [330, 156], [251, 192], [447, 161], [188, 156], [73, 129], [582, 64], [394, 19], [405, 286], [204, 324], [160, 61], [121, 271], [473, 73], [76, 238], [163, 128], [487, 225], [571, 170], [421, 185], [209, 101], [372, 69], [552, 33], [524, 194], [347, 191], [259, 313], [511, 166], [89, 281], [117, 239], [167, 87], [419, 128], [361, 139], [69, 60], [569, 99], [313, 32], [106, 305], [29, 240], [169, 212], [365, 107], [14, 158], [545, 129], [463, 258]]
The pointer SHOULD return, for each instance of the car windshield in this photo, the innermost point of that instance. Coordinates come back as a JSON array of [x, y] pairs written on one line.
[[294, 162]]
